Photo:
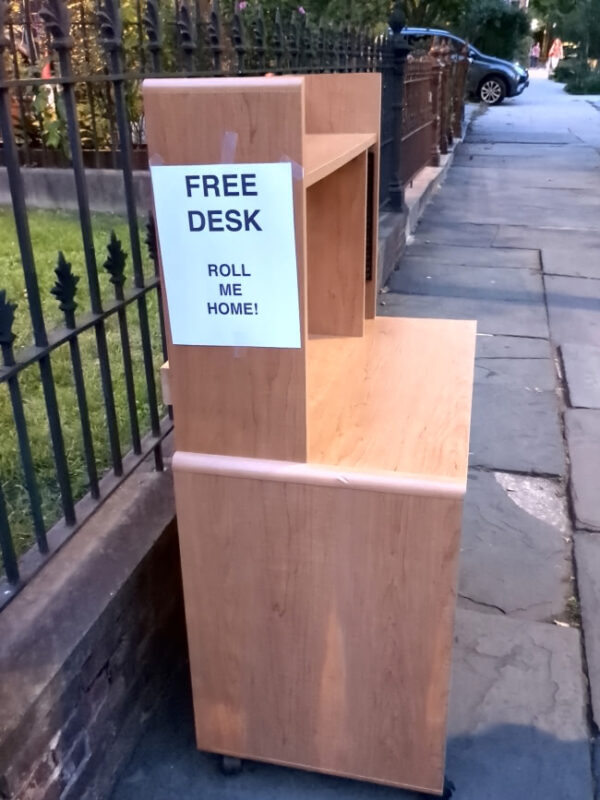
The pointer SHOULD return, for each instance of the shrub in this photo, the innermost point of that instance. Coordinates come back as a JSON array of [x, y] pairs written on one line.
[[585, 83], [569, 69]]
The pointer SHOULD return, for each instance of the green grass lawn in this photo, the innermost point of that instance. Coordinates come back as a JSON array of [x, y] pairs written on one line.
[[52, 231]]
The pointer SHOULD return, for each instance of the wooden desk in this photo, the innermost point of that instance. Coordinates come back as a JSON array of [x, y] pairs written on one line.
[[319, 491]]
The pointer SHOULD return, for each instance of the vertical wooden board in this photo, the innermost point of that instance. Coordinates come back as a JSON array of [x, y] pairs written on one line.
[[320, 624], [335, 216], [350, 103], [236, 401]]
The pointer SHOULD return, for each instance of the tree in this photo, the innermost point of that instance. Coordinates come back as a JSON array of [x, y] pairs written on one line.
[[494, 26]]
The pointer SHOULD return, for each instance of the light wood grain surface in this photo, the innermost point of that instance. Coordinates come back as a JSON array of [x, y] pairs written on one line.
[[326, 152], [336, 210], [238, 401], [320, 624], [398, 399]]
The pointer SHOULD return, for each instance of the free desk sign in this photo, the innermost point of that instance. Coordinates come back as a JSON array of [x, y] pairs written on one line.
[[228, 253]]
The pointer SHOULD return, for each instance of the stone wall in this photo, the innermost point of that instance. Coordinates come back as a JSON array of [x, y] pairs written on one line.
[[87, 648]]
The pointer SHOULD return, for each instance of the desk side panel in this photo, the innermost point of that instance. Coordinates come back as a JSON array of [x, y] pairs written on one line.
[[336, 217], [236, 401], [350, 103], [320, 624]]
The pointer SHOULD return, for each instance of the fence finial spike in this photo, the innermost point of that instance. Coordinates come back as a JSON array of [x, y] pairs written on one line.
[[7, 317], [111, 34], [151, 20], [57, 22], [115, 261], [4, 10], [65, 287], [397, 19]]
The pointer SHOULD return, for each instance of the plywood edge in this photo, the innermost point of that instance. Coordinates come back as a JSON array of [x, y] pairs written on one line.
[[318, 475], [250, 756], [222, 84]]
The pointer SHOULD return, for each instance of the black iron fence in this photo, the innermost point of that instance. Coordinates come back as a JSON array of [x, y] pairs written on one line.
[[79, 359]]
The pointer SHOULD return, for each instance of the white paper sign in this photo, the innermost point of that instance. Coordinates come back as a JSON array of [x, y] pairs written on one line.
[[228, 253]]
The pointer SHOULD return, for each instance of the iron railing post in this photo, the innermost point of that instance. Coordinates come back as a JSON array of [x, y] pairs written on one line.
[[399, 52]]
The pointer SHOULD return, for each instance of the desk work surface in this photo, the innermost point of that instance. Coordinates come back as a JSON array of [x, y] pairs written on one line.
[[397, 399], [326, 152]]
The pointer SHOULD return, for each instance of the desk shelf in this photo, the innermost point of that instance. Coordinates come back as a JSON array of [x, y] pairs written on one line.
[[325, 153]]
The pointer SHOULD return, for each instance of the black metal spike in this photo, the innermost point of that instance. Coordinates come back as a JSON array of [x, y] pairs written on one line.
[[214, 35], [111, 34], [65, 287], [115, 261], [185, 26], [258, 30], [7, 317], [57, 22], [4, 11], [237, 40], [151, 20], [150, 239], [278, 40]]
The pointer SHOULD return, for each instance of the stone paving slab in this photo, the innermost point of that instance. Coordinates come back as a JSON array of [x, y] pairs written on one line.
[[587, 559], [517, 712], [582, 426], [549, 154], [453, 255], [465, 235], [577, 261], [516, 730], [573, 309], [546, 237], [493, 316], [581, 365], [522, 136], [418, 276], [531, 374], [501, 347], [516, 430], [510, 561], [494, 209], [488, 175]]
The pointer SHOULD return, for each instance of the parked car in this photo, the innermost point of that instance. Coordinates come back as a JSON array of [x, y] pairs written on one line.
[[489, 79]]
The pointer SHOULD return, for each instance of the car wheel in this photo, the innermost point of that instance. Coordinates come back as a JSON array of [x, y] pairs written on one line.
[[492, 91]]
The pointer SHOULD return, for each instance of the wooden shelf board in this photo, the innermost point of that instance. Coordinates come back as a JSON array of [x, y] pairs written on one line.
[[397, 399], [326, 152]]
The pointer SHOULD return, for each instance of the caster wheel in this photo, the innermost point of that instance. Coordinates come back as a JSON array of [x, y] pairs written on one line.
[[231, 765], [449, 789]]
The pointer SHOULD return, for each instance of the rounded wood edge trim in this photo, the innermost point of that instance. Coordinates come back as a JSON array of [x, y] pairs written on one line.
[[223, 84], [316, 475]]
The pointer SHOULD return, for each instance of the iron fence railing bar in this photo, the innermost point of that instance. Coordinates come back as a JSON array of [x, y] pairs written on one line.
[[56, 18], [62, 335], [7, 548], [111, 39], [64, 290], [17, 192], [33, 560], [93, 81]]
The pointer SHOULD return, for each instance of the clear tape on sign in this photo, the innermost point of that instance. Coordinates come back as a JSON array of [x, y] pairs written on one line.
[[156, 160], [228, 147], [297, 169]]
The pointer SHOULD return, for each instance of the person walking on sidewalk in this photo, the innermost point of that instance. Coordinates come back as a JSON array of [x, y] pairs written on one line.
[[534, 55], [555, 54]]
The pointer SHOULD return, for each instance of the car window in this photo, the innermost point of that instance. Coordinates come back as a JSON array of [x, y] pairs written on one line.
[[420, 41]]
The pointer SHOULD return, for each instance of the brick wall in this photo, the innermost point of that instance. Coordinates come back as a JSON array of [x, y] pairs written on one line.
[[83, 708]]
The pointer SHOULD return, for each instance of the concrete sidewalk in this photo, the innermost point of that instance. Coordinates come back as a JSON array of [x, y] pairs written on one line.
[[513, 240]]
